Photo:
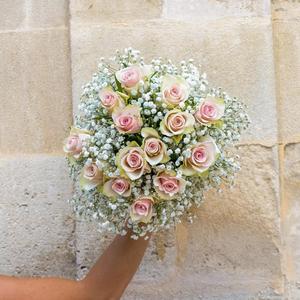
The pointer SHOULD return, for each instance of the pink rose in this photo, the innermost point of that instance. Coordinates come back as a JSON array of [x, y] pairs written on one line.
[[155, 150], [203, 155], [117, 187], [91, 176], [210, 110], [110, 99], [128, 119], [131, 161], [130, 77], [175, 90], [142, 210], [177, 122], [167, 185], [73, 143]]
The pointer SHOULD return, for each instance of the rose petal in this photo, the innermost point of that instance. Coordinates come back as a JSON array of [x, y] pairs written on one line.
[[155, 159]]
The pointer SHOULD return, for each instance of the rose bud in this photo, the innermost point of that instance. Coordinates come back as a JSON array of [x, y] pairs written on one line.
[[128, 120], [117, 187], [131, 161], [110, 99], [91, 176], [177, 122], [167, 185], [142, 210], [175, 90], [155, 150], [210, 110], [73, 143], [203, 156]]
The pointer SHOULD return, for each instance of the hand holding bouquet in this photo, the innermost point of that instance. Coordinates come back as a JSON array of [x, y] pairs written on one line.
[[148, 140]]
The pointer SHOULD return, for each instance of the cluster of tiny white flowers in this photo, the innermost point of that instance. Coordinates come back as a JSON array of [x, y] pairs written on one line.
[[106, 141]]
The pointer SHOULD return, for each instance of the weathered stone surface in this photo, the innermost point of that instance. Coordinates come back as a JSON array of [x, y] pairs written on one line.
[[286, 10], [286, 22], [194, 10], [35, 91], [90, 244], [236, 54], [290, 218], [287, 54], [35, 219], [24, 14], [96, 11]]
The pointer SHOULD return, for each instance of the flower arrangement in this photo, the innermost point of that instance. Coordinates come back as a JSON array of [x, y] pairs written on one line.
[[147, 141]]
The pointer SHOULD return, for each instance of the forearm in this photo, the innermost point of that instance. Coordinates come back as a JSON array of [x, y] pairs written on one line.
[[107, 280], [12, 288], [115, 268]]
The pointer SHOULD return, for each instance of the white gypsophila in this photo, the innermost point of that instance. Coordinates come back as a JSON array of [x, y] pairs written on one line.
[[102, 142]]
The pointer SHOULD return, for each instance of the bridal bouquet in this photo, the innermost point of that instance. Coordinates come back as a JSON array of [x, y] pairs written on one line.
[[147, 141]]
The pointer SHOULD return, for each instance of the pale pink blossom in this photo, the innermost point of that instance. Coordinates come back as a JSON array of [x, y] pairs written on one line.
[[128, 119], [175, 90], [131, 77], [167, 185], [73, 144], [110, 99], [155, 150], [210, 110], [177, 122], [117, 187], [91, 176], [131, 161], [142, 209], [203, 156]]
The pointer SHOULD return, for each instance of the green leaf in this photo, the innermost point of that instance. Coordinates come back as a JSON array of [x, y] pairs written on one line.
[[135, 138], [72, 160], [152, 75], [119, 87], [100, 189], [125, 97], [219, 124], [204, 174], [177, 138], [174, 156]]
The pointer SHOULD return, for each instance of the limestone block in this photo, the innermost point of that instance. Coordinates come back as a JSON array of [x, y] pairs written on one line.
[[290, 217], [35, 91], [12, 14], [95, 11], [24, 14], [195, 10], [286, 10], [37, 226], [235, 53], [287, 54]]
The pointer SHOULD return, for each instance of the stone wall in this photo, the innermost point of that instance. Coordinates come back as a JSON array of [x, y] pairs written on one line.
[[245, 242]]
